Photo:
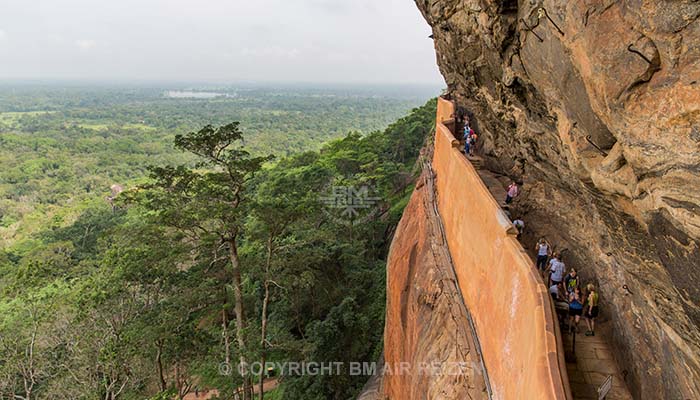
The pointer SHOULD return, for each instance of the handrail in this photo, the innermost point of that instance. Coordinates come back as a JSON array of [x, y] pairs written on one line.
[[516, 324]]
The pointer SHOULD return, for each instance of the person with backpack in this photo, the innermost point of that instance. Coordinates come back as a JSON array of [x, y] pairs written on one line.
[[468, 132], [591, 309], [575, 309], [472, 142], [571, 281], [557, 268], [512, 192]]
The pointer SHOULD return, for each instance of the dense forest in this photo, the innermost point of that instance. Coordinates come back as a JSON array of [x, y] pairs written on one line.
[[61, 148], [232, 243]]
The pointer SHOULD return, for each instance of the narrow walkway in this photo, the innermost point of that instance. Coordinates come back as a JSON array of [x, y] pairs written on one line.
[[594, 361]]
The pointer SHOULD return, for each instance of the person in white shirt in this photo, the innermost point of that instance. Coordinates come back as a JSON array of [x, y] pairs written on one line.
[[557, 269], [519, 224], [543, 250]]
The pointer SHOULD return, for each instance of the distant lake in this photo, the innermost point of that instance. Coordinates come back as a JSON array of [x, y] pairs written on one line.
[[189, 94]]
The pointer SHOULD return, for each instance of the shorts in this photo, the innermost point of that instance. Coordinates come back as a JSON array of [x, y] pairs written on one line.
[[575, 311], [556, 282], [542, 262], [593, 313], [508, 199]]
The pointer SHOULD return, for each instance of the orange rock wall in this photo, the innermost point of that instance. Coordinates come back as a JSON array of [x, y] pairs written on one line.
[[426, 321], [513, 317]]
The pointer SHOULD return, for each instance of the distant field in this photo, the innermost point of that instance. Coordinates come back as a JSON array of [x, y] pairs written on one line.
[[12, 119]]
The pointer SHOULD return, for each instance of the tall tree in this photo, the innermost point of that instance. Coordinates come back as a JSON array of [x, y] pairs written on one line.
[[208, 203], [283, 195]]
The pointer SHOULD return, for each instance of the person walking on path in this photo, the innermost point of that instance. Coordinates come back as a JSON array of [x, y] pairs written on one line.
[[543, 251], [519, 224], [571, 281], [575, 309], [468, 132], [557, 269], [512, 192], [472, 142], [558, 293], [591, 309]]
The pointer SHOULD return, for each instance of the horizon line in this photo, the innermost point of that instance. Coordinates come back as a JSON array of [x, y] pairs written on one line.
[[178, 82]]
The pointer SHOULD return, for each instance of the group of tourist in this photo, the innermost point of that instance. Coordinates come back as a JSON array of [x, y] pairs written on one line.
[[469, 137], [565, 289]]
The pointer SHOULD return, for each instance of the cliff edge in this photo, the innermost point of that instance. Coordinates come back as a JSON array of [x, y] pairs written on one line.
[[428, 328], [595, 106]]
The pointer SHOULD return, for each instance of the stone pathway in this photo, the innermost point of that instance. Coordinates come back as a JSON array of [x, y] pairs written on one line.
[[594, 363]]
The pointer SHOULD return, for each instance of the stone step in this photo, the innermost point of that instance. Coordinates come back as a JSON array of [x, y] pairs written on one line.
[[477, 162]]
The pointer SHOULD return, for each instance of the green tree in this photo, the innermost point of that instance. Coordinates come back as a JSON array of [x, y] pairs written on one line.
[[208, 204], [284, 195]]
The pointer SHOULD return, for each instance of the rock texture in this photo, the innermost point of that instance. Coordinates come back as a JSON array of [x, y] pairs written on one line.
[[595, 105], [426, 321], [496, 278]]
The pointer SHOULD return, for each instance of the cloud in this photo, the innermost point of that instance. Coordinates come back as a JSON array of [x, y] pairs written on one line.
[[55, 38], [271, 52], [342, 7], [218, 40], [85, 44]]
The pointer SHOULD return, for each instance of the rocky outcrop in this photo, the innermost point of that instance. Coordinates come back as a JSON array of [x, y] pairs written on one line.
[[429, 348], [595, 105]]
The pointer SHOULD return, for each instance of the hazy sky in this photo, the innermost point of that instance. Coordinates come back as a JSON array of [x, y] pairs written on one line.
[[217, 40]]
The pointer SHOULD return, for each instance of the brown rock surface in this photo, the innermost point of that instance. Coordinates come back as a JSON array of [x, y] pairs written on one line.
[[595, 105], [426, 321]]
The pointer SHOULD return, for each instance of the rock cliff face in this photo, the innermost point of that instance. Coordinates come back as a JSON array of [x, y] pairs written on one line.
[[427, 327], [595, 105]]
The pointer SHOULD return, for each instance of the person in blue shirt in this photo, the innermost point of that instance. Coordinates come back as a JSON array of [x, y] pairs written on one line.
[[467, 136]]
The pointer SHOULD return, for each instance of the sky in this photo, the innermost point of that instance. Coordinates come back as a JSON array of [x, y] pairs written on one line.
[[339, 41]]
